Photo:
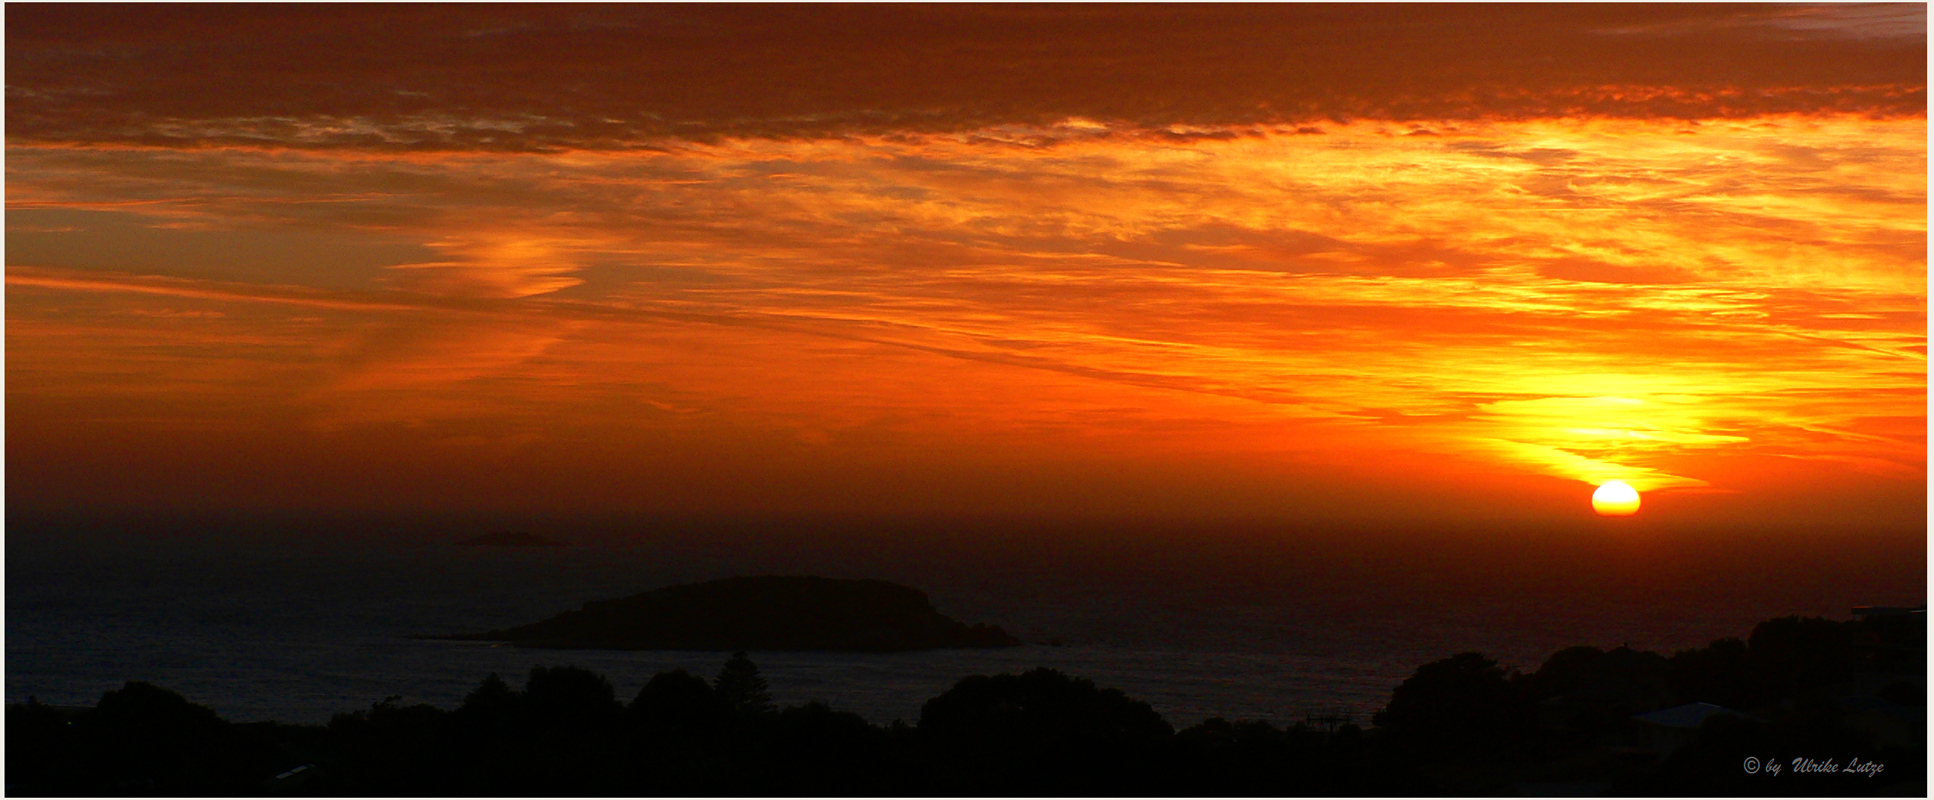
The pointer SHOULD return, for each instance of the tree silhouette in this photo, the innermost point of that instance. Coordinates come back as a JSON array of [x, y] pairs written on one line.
[[491, 693], [1792, 654], [493, 707], [569, 697], [678, 703], [740, 686], [1051, 732], [1037, 707], [1717, 673], [1452, 705], [1461, 726]]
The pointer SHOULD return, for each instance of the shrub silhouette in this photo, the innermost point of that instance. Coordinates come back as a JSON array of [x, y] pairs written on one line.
[[1245, 757], [491, 697], [490, 734], [678, 703], [1457, 726], [570, 698], [1790, 654], [1589, 693], [1716, 673], [142, 739], [493, 709], [392, 748], [816, 751], [1037, 707], [1043, 731], [42, 749], [1452, 705]]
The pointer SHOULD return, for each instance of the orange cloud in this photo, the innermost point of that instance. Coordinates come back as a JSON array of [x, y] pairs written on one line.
[[1537, 302], [509, 79]]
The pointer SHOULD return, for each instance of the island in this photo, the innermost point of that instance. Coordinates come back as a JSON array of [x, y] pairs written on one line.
[[757, 613], [511, 539]]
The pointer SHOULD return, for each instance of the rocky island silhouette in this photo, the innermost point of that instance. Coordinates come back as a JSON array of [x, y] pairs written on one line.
[[757, 613]]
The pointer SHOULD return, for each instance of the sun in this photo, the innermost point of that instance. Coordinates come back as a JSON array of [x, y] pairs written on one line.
[[1615, 499]]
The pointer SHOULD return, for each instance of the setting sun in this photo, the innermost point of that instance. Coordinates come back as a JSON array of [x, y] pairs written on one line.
[[1215, 376], [1615, 499]]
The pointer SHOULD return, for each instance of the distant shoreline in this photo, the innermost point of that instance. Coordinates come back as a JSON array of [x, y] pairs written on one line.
[[511, 539]]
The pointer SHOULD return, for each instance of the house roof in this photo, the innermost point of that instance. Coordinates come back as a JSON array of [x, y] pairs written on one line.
[[1916, 715], [1690, 715]]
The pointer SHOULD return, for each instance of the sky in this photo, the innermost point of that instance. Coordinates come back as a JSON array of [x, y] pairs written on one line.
[[1342, 263]]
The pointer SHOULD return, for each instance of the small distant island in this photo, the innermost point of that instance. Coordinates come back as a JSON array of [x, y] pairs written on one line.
[[511, 539], [757, 613]]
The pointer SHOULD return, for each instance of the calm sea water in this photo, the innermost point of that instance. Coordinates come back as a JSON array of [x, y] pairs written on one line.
[[298, 627]]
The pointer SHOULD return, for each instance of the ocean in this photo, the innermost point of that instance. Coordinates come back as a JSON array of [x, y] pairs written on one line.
[[296, 622]]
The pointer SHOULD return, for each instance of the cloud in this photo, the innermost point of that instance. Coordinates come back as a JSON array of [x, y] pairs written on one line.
[[387, 78], [1069, 290], [69, 280], [1903, 21], [499, 266], [1598, 272]]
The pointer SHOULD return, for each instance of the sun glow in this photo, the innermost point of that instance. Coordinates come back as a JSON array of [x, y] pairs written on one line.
[[1615, 499]]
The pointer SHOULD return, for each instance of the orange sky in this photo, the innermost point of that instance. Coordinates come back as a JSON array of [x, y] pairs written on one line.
[[1304, 262]]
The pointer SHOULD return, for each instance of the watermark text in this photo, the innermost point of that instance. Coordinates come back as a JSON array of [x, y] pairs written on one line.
[[1755, 765]]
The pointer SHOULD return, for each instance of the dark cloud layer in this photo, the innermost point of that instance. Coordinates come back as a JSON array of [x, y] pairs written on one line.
[[517, 77]]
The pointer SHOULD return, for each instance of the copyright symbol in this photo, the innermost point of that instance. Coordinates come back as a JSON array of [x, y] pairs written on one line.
[[1752, 765]]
